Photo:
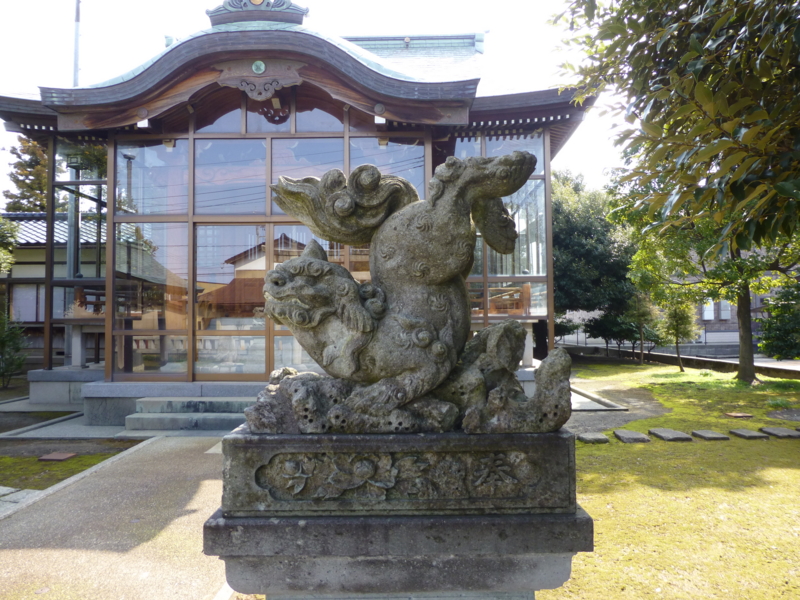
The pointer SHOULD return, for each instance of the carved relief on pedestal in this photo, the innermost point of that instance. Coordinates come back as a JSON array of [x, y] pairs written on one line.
[[398, 477]]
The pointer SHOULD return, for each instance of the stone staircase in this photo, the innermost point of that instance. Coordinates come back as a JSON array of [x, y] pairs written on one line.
[[184, 413]]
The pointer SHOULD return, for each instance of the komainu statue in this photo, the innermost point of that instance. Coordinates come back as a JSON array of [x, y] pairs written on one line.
[[395, 347]]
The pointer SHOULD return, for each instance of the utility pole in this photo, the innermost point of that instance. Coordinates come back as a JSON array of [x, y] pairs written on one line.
[[77, 42]]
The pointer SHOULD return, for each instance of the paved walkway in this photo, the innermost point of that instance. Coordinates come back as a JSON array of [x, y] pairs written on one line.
[[129, 530]]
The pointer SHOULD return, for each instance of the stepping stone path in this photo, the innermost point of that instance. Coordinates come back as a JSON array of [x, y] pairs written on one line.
[[670, 435], [781, 432], [631, 437], [592, 438], [749, 434], [709, 435]]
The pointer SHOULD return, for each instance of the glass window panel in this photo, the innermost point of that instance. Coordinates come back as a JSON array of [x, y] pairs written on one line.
[[404, 157], [24, 301], [318, 111], [80, 231], [517, 299], [230, 177], [359, 263], [231, 264], [476, 300], [526, 207], [219, 112], [460, 147], [81, 159], [79, 302], [272, 114], [230, 355], [151, 286], [298, 158], [289, 241], [288, 352], [361, 121], [150, 354], [152, 177], [534, 143]]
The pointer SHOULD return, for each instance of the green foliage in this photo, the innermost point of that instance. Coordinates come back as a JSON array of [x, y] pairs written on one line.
[[564, 326], [678, 324], [780, 331], [12, 343], [611, 327], [590, 254], [29, 176], [8, 237], [712, 91]]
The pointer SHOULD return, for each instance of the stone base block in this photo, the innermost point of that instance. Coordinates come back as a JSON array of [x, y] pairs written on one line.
[[386, 555], [411, 474], [108, 411]]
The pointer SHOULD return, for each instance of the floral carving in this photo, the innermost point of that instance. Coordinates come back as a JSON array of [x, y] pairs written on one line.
[[392, 477], [370, 476]]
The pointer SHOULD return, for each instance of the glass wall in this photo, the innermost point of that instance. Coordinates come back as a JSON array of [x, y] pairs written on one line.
[[196, 230]]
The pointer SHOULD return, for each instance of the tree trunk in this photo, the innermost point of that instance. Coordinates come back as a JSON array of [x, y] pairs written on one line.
[[678, 352], [641, 345], [747, 367], [540, 340]]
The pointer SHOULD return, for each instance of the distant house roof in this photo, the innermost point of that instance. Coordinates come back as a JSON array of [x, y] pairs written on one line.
[[32, 229]]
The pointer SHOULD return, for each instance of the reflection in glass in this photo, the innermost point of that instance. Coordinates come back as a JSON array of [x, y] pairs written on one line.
[[317, 110], [151, 285], [78, 159], [80, 231], [153, 177], [459, 147], [300, 158], [517, 299], [361, 121], [534, 143], [287, 352], [526, 207], [230, 177], [231, 264], [79, 302], [476, 299], [150, 354], [289, 241], [359, 263], [270, 115], [224, 355], [220, 112], [404, 157]]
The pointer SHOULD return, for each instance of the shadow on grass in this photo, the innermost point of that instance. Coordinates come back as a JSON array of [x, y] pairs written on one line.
[[735, 465]]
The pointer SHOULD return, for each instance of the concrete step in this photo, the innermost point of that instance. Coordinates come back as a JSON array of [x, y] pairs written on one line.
[[174, 421], [229, 404]]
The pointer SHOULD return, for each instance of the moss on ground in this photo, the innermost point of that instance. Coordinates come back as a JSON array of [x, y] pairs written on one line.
[[690, 520], [31, 474]]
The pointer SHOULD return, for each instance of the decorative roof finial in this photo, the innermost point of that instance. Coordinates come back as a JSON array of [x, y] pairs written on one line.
[[234, 11]]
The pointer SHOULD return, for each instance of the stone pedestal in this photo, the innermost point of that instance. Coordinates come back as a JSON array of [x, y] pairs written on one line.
[[326, 515]]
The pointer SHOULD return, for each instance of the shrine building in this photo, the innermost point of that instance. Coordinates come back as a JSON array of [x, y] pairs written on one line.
[[149, 263]]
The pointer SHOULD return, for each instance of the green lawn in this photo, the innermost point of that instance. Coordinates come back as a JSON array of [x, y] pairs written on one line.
[[32, 474], [691, 520]]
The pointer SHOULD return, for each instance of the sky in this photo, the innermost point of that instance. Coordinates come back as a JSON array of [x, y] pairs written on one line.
[[37, 41]]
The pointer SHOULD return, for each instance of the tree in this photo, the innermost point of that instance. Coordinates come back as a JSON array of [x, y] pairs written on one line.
[[610, 327], [12, 343], [780, 331], [715, 88], [642, 314], [678, 324], [8, 239], [29, 176], [590, 254], [680, 263]]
